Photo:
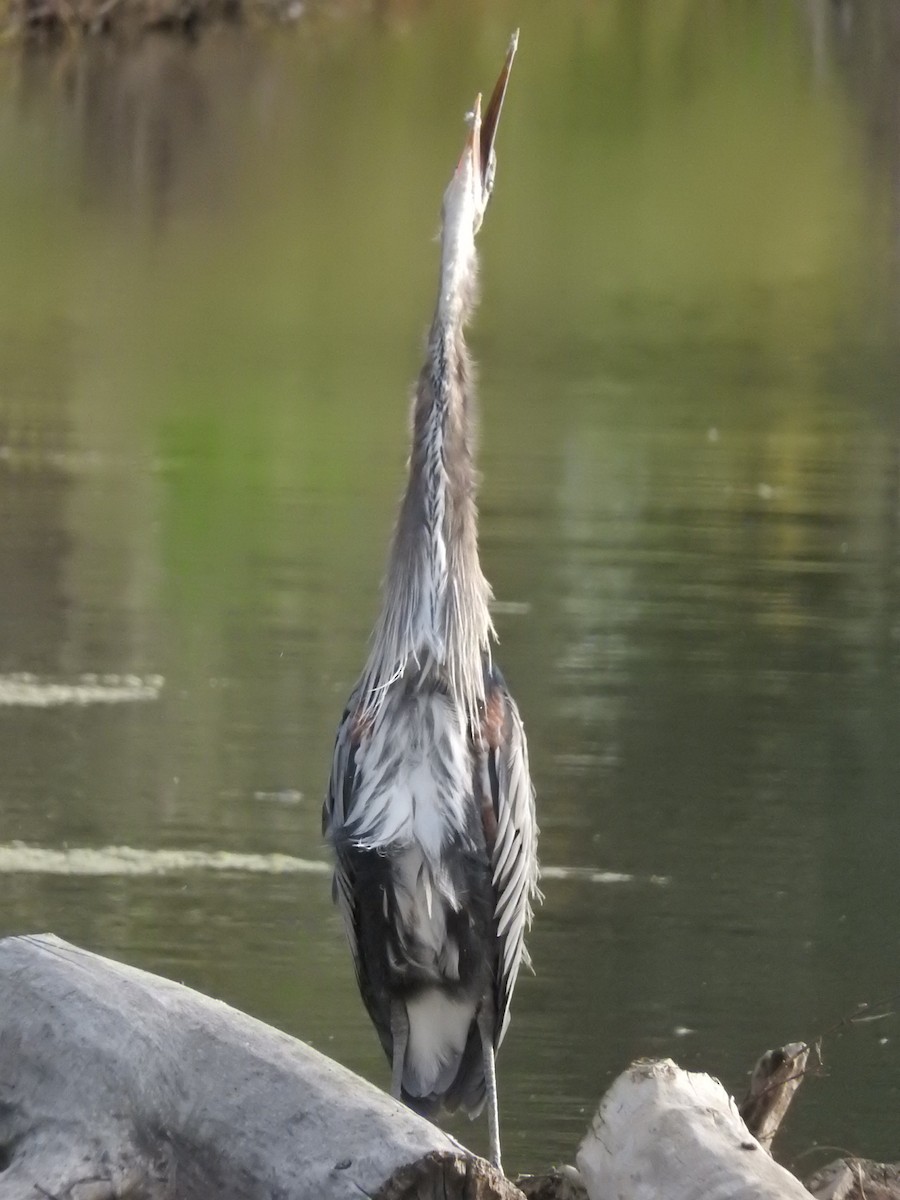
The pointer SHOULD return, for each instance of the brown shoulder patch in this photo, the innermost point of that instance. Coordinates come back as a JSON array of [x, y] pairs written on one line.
[[360, 725], [492, 721]]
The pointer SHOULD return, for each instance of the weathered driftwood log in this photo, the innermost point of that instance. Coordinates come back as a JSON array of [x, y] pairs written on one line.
[[856, 1179], [773, 1084], [661, 1131], [118, 1084]]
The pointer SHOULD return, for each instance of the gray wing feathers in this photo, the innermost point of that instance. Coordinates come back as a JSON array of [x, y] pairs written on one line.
[[514, 861], [334, 814]]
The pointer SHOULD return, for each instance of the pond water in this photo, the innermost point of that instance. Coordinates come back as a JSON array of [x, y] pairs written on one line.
[[217, 267]]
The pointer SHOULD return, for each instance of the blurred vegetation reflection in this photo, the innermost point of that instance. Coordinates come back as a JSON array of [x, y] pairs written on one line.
[[217, 266]]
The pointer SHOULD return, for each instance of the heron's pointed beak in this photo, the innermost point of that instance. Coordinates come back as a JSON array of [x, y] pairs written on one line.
[[478, 152], [488, 127]]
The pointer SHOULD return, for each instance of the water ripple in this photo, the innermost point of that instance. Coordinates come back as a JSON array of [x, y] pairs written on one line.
[[19, 858], [31, 691]]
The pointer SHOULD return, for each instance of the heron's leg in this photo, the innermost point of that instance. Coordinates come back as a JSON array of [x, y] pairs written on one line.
[[486, 1029], [400, 1038]]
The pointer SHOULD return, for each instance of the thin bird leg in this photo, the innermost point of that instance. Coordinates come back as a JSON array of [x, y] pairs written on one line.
[[400, 1038], [486, 1029]]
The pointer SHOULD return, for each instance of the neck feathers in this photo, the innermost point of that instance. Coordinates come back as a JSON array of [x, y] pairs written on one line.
[[435, 618], [459, 277]]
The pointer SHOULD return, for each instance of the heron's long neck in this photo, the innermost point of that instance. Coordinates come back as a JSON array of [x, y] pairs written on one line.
[[435, 615]]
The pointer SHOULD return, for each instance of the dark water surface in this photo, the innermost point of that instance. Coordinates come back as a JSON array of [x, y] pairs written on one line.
[[216, 266]]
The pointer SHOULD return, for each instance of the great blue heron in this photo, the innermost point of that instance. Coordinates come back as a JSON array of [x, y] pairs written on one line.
[[430, 806]]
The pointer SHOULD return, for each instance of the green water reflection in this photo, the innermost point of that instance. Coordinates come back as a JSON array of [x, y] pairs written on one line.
[[216, 269]]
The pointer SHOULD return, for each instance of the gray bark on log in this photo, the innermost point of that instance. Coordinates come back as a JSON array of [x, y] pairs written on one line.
[[115, 1083], [856, 1179], [560, 1183]]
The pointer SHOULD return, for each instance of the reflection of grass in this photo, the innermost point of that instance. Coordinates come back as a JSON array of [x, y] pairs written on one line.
[[57, 20], [49, 21], [237, 238]]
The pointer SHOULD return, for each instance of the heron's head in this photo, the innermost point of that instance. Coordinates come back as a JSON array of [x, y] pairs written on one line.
[[469, 191]]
